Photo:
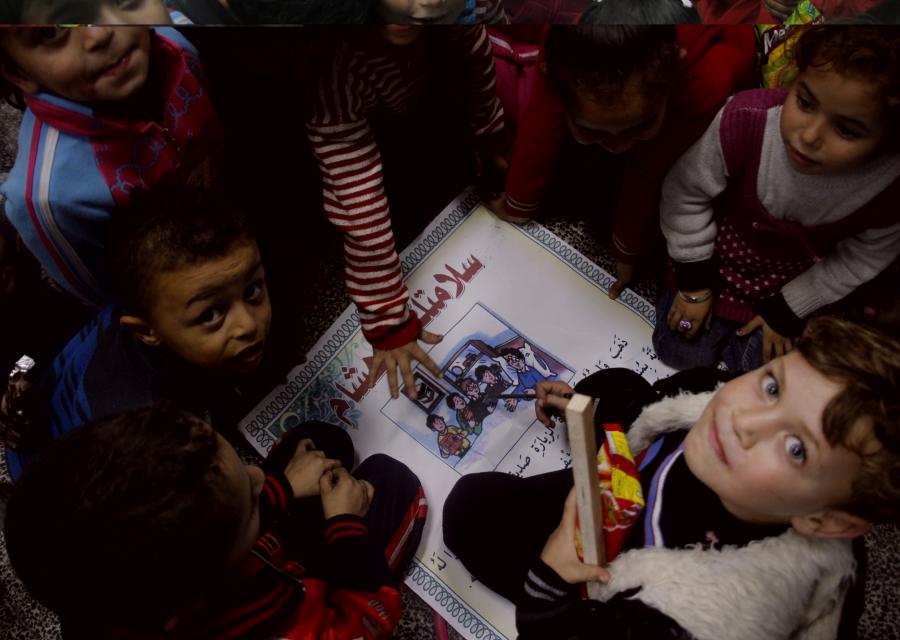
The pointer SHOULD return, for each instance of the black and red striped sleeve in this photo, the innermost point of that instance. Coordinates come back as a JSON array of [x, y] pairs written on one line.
[[354, 561]]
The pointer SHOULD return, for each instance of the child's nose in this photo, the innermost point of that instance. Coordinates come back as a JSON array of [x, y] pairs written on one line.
[[811, 134], [753, 425], [96, 37], [245, 322]]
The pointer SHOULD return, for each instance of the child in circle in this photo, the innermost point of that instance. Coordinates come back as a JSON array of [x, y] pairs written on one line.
[[787, 203]]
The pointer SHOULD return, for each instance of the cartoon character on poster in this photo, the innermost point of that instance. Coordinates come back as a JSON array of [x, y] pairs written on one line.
[[482, 403]]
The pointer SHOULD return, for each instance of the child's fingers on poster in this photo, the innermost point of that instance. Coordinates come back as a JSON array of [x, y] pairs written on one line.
[[404, 362], [624, 276], [377, 367]]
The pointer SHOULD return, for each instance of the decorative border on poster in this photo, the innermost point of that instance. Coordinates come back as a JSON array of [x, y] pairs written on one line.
[[587, 269], [451, 605], [463, 205]]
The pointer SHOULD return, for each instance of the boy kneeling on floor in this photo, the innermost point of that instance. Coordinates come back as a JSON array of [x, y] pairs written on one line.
[[146, 524]]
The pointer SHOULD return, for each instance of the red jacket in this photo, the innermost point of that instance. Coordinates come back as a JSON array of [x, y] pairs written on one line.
[[278, 597], [717, 62]]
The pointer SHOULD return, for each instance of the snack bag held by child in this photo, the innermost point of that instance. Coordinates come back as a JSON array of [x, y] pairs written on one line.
[[620, 487]]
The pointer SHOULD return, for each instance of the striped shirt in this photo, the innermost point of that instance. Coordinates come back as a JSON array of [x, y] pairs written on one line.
[[363, 83]]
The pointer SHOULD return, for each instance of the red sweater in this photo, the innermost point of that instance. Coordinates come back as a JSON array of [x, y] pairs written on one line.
[[718, 61], [363, 82]]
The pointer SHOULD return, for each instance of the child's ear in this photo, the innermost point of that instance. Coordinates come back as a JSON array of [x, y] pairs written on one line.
[[141, 330], [681, 53], [831, 524], [18, 78]]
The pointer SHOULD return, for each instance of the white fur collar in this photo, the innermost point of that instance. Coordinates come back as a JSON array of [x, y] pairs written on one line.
[[787, 586]]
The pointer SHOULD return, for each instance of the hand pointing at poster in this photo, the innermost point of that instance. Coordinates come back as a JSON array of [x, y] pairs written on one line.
[[403, 358]]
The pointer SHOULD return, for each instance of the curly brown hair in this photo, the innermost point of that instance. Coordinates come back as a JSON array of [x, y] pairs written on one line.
[[597, 61], [871, 52], [867, 363]]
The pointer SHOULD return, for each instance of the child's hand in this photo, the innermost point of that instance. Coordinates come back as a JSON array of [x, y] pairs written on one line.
[[496, 203], [559, 552], [774, 344], [698, 314], [402, 357], [306, 468], [780, 9], [550, 399], [344, 494], [624, 276]]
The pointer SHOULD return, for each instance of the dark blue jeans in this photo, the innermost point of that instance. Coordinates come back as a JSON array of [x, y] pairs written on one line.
[[717, 346]]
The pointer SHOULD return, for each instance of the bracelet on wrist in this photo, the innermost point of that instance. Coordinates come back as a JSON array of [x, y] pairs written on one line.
[[703, 297]]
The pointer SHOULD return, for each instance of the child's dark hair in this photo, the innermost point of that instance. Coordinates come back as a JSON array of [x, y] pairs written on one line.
[[867, 363], [431, 419], [639, 12], [450, 399], [511, 352], [871, 52], [167, 230], [597, 61], [480, 370], [125, 522]]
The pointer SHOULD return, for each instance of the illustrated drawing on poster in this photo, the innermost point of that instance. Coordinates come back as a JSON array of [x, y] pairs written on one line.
[[466, 418]]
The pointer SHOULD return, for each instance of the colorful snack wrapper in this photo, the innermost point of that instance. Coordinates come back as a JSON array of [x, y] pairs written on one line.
[[620, 487]]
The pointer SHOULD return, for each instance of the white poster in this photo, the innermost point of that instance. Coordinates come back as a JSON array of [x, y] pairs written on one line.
[[515, 305]]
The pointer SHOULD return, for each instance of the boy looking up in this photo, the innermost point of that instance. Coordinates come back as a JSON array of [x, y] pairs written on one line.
[[193, 316], [147, 525], [111, 112], [797, 457]]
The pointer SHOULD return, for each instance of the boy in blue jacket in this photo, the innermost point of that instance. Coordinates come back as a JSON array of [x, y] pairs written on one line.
[[192, 317]]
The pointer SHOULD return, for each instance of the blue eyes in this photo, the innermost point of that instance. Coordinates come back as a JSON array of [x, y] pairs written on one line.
[[770, 386], [795, 449]]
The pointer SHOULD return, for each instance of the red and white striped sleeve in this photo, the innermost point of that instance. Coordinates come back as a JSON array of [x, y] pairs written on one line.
[[486, 110], [354, 198]]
